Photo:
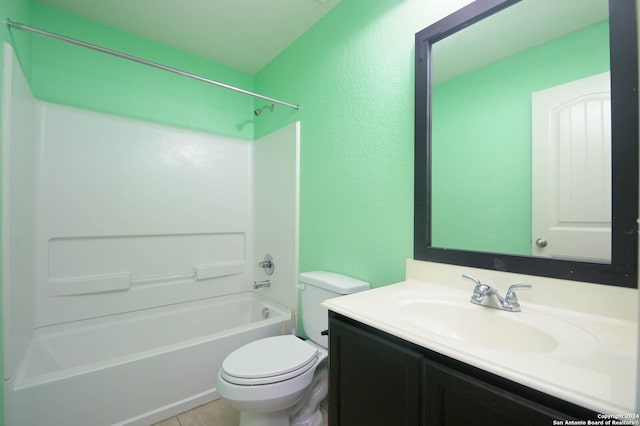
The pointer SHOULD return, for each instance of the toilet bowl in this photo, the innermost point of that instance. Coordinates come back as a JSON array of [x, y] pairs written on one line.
[[281, 380], [267, 379]]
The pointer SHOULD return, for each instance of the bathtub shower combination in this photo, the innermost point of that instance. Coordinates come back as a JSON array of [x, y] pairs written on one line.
[[130, 252], [137, 368]]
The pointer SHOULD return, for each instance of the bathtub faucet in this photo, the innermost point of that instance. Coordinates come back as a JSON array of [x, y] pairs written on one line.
[[259, 284], [267, 264]]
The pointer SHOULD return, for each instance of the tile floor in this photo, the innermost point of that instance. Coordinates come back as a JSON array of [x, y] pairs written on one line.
[[216, 413]]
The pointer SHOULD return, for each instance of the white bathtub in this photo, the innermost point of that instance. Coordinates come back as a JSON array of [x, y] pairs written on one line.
[[136, 368]]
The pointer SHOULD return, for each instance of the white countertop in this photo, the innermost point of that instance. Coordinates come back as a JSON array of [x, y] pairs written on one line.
[[588, 358]]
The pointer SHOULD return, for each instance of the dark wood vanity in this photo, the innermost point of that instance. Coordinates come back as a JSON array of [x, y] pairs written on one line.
[[379, 379]]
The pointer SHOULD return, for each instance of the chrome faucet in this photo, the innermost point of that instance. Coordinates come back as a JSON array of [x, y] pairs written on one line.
[[260, 284], [486, 295], [267, 264]]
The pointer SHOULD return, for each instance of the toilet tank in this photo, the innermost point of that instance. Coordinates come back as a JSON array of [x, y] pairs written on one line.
[[315, 288]]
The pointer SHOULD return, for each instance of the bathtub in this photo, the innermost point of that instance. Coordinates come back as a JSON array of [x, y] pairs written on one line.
[[136, 368]]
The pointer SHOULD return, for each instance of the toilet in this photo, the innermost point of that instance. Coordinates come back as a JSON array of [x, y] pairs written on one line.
[[281, 380]]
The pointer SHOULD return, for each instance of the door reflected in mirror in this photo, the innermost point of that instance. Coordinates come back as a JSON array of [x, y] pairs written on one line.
[[526, 139], [521, 164]]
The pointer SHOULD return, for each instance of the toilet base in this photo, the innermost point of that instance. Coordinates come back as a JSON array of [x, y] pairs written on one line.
[[279, 418], [273, 418], [314, 420], [309, 414], [305, 412]]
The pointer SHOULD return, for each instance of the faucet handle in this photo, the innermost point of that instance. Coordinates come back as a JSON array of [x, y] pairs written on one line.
[[511, 298], [267, 264], [480, 290], [519, 286], [474, 279], [480, 287]]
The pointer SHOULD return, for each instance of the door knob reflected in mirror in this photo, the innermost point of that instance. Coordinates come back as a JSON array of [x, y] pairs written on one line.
[[541, 242]]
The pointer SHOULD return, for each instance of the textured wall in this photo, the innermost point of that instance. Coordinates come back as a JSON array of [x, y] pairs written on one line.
[[352, 74], [74, 76]]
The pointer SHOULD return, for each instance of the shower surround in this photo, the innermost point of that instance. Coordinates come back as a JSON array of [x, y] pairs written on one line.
[[113, 226]]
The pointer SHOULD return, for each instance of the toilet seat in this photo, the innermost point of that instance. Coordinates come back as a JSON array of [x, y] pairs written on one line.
[[269, 360]]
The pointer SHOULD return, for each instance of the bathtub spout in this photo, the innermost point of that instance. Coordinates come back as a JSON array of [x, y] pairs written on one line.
[[260, 284]]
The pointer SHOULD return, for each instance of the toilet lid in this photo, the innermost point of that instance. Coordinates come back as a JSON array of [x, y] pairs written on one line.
[[268, 358]]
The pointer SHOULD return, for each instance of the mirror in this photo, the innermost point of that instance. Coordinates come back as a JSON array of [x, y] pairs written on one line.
[[526, 139]]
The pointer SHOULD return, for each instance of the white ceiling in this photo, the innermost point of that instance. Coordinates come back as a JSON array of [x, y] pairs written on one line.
[[525, 25], [242, 34]]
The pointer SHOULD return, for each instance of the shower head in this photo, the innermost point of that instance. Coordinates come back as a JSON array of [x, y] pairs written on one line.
[[258, 111]]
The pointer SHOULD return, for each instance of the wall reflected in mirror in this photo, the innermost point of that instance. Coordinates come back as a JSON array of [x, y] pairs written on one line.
[[521, 133]]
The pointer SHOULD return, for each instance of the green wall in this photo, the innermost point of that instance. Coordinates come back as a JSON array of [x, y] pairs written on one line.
[[482, 155], [352, 74], [20, 11], [71, 75]]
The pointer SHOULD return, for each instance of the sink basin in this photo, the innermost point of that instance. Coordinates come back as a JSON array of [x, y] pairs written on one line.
[[458, 320]]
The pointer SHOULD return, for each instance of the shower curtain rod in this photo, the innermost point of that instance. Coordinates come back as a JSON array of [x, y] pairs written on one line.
[[23, 27]]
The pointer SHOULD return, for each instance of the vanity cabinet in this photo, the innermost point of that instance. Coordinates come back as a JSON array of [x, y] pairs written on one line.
[[453, 398], [372, 380], [378, 379]]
